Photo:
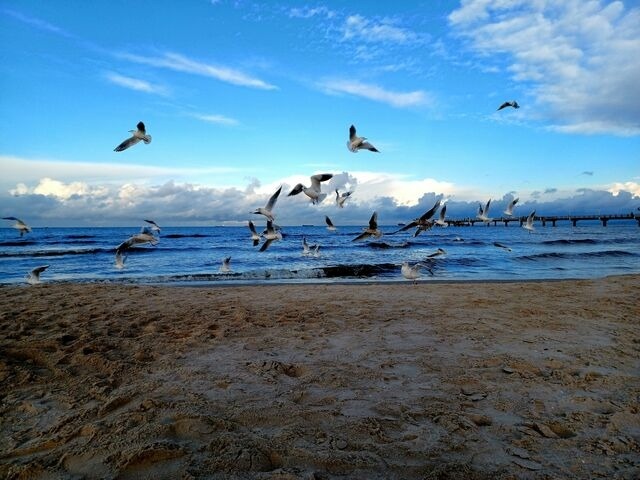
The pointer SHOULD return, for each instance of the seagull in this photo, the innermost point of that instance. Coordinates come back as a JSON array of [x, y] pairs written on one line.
[[412, 272], [440, 221], [502, 246], [372, 230], [356, 143], [310, 250], [254, 235], [138, 239], [483, 212], [528, 225], [139, 134], [34, 275], [509, 210], [512, 103], [270, 236], [19, 225], [267, 211], [437, 253], [341, 198], [225, 268], [314, 192], [330, 226], [154, 226], [423, 223]]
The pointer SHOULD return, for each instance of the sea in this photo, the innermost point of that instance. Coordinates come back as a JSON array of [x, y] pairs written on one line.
[[194, 255]]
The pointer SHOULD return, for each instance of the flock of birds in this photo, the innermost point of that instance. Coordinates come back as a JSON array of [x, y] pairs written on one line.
[[272, 232]]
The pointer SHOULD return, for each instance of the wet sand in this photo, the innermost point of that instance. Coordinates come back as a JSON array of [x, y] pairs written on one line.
[[427, 381]]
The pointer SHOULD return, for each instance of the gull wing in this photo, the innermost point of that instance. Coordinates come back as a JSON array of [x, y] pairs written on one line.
[[296, 190], [504, 105], [328, 220], [362, 236], [368, 146], [321, 177], [352, 132], [141, 128], [39, 270], [129, 142], [272, 201], [266, 244], [252, 227], [429, 213], [373, 221], [406, 227], [485, 211], [12, 218], [443, 212]]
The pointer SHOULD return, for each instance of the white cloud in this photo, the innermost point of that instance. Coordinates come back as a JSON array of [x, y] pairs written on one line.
[[576, 58], [374, 92], [356, 27], [309, 12], [181, 63], [217, 119], [38, 23], [135, 84], [631, 187]]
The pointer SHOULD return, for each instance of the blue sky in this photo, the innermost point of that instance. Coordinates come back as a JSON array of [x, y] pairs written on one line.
[[243, 96]]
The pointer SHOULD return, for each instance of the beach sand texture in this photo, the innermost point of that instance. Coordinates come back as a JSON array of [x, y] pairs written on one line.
[[434, 381]]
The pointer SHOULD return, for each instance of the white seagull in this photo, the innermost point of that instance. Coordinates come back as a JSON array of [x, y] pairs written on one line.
[[356, 143], [34, 275], [254, 235], [440, 221], [154, 226], [528, 225], [314, 192], [138, 239], [330, 226], [512, 103], [411, 272], [19, 225], [270, 236], [423, 222], [483, 213], [139, 134], [372, 230], [310, 250], [341, 198], [225, 267], [267, 211], [509, 209]]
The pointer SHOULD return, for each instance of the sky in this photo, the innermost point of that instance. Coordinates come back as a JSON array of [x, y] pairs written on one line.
[[241, 97]]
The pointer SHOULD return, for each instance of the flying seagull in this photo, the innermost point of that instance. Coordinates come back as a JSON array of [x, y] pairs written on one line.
[[330, 226], [356, 143], [19, 225], [528, 225], [225, 268], [139, 134], [138, 239], [509, 209], [154, 226], [254, 235], [34, 275], [502, 246], [370, 231], [423, 222], [309, 249], [270, 236], [314, 192], [440, 221], [483, 212], [341, 198], [512, 103], [267, 211]]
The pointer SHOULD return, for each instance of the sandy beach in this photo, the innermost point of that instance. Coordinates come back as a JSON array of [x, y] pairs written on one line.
[[427, 381]]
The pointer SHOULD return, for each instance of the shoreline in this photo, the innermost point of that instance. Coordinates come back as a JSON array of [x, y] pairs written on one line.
[[435, 380]]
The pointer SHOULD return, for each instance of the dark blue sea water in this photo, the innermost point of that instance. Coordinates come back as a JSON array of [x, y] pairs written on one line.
[[193, 255]]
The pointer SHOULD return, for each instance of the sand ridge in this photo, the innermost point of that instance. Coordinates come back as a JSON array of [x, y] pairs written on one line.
[[470, 380]]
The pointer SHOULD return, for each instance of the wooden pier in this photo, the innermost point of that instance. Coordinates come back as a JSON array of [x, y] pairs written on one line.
[[545, 219]]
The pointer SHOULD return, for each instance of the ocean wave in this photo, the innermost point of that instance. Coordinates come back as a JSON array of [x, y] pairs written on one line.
[[60, 253], [185, 235], [17, 243], [385, 245], [577, 255], [583, 241]]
